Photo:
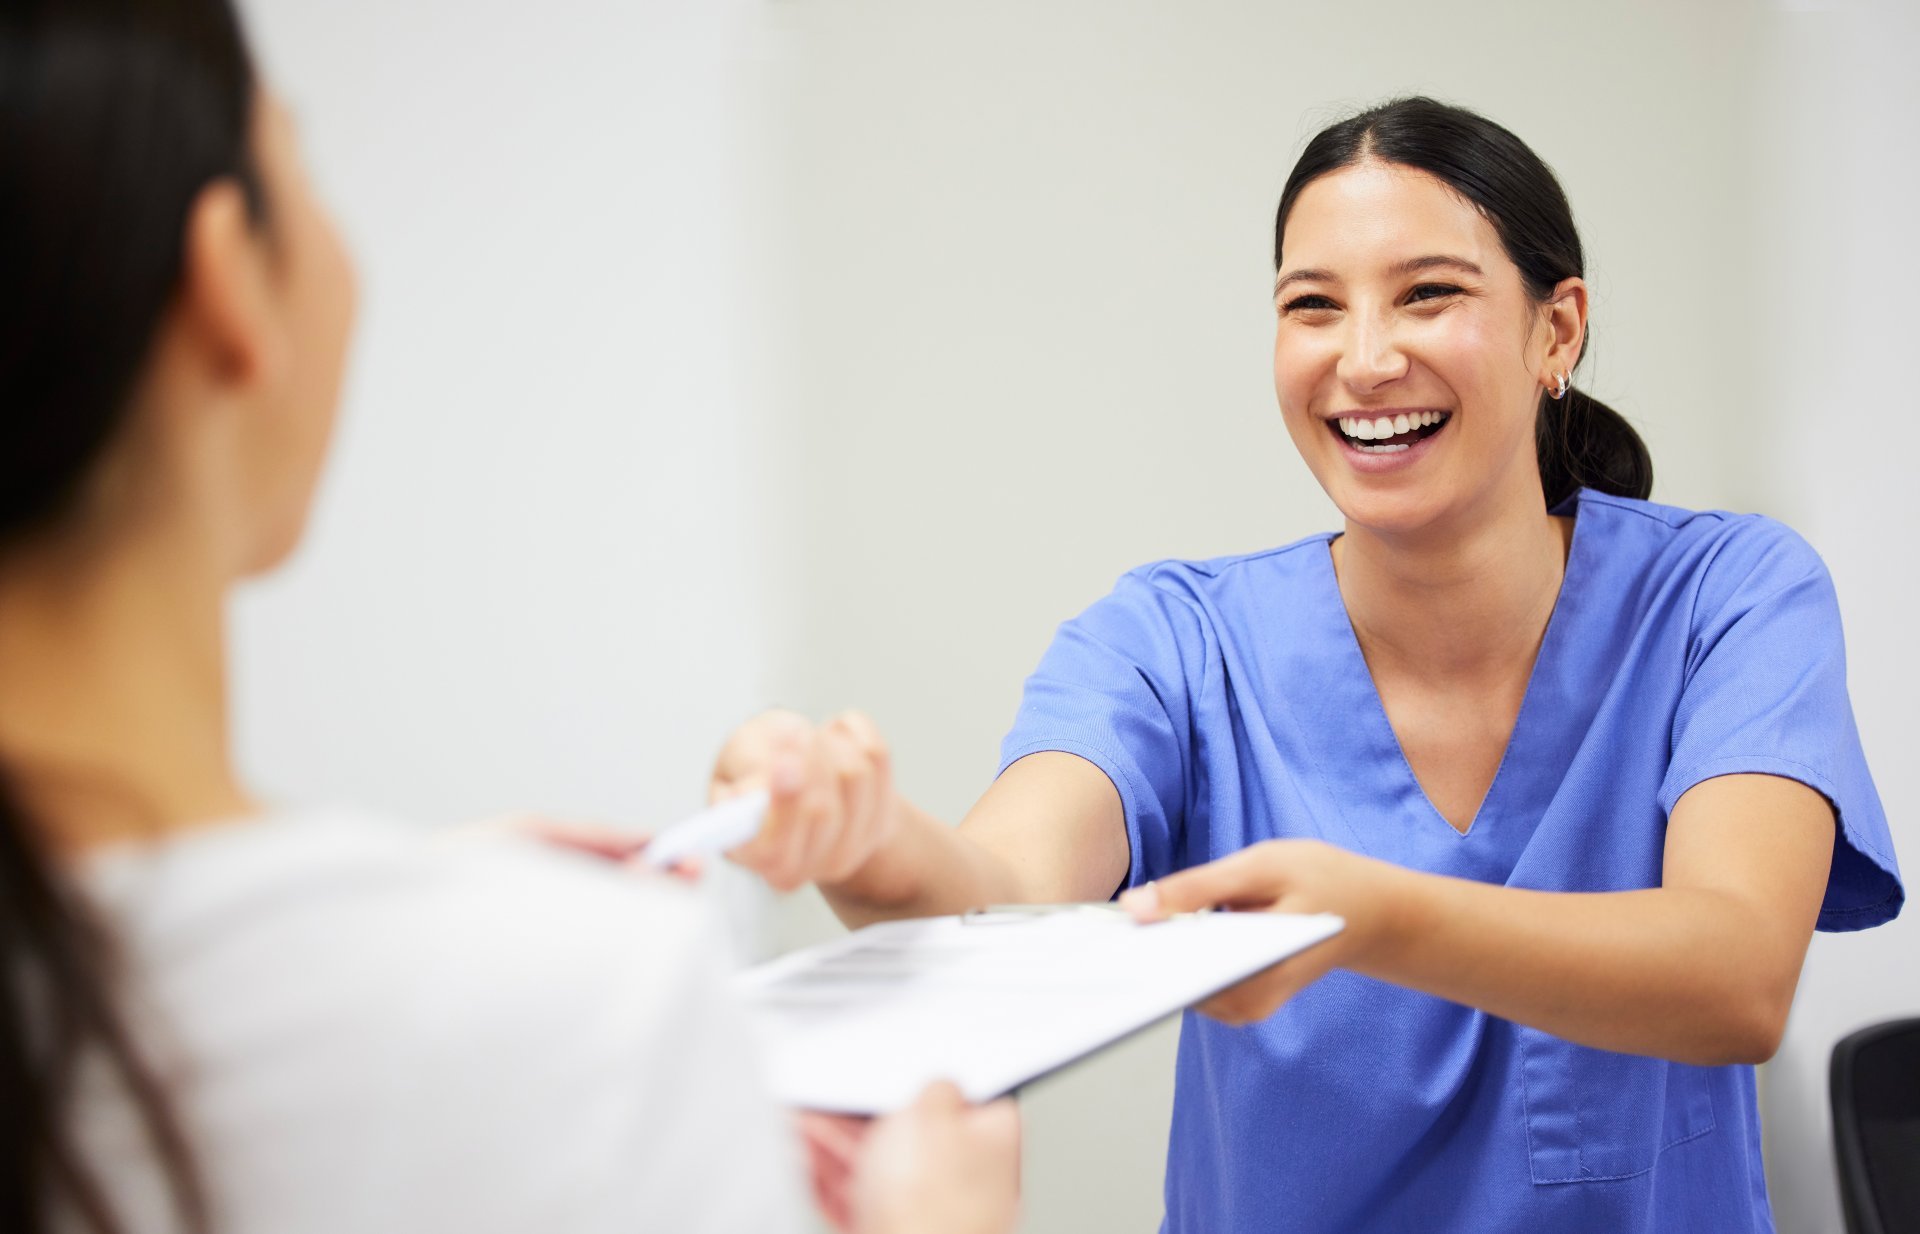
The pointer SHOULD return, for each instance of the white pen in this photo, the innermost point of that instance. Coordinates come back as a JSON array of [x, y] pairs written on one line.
[[712, 831]]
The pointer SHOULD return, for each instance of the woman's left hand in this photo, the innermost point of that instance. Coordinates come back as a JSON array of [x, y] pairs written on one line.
[[618, 845], [833, 1143], [1283, 876]]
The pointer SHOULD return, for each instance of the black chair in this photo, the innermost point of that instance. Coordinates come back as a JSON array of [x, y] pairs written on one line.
[[1875, 1082]]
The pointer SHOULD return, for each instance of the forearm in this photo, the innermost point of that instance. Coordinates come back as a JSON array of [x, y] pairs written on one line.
[[1689, 974], [1049, 828], [927, 869], [1699, 970]]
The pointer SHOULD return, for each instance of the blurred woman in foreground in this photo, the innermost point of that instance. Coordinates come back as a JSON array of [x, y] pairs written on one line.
[[221, 1015]]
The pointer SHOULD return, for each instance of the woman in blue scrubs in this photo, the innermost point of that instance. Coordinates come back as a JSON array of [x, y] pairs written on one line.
[[1580, 771]]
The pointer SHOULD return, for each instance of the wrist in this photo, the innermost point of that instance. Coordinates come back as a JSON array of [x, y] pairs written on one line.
[[888, 877], [1398, 915]]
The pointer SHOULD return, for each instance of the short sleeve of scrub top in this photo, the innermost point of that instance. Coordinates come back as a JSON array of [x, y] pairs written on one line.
[[1229, 703], [1766, 693]]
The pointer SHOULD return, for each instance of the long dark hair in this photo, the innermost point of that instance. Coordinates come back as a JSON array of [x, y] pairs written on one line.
[[1581, 442], [114, 116]]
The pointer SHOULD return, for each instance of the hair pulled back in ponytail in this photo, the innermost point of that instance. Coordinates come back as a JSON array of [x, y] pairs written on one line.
[[114, 116], [1580, 441]]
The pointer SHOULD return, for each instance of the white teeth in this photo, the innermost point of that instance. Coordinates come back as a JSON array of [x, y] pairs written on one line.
[[1387, 427], [1388, 449], [1380, 428]]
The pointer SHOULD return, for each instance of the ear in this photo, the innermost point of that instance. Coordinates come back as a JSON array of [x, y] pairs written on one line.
[[225, 309], [1566, 316]]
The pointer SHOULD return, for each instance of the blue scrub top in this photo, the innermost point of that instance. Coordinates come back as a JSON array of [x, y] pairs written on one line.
[[1229, 703]]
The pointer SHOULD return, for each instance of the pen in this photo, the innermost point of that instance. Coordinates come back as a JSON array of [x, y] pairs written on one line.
[[712, 831]]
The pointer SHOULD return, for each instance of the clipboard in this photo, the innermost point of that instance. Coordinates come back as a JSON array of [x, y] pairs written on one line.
[[991, 1000]]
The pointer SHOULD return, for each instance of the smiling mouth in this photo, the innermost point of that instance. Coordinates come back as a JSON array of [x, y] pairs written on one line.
[[1388, 434]]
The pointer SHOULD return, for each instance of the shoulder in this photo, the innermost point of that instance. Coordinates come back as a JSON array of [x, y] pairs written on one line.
[[1211, 586], [1719, 556], [1212, 572], [347, 929], [1177, 609], [453, 1025]]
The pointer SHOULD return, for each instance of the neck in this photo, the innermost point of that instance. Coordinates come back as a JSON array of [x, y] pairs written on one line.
[[113, 711], [1457, 602]]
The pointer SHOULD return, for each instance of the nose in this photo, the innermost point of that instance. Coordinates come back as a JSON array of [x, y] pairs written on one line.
[[1371, 356]]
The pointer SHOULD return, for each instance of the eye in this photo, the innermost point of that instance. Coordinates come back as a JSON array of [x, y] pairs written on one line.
[[1433, 291], [1310, 303]]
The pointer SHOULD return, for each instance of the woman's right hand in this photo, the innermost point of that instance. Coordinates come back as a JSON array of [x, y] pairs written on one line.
[[833, 802], [940, 1166]]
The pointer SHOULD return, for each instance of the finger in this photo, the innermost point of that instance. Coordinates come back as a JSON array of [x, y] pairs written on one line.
[[822, 814], [593, 839], [1264, 993], [853, 761], [688, 870], [1250, 878], [742, 762], [719, 790], [866, 738], [941, 1099], [831, 1180], [861, 787], [877, 807], [998, 1122], [1242, 1005], [610, 847], [838, 1134], [833, 1194], [786, 798], [1251, 1000], [844, 792], [880, 764]]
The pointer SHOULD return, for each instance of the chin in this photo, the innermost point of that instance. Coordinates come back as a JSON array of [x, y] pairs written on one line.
[[1436, 495], [273, 549], [1402, 507]]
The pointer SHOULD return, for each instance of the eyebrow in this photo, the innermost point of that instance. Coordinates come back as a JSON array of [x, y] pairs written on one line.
[[1435, 261]]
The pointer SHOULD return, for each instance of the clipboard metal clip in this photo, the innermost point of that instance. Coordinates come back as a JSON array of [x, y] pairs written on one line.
[[1008, 914]]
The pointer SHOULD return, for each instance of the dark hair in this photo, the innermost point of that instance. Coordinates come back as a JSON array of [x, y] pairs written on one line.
[[1581, 442], [114, 116]]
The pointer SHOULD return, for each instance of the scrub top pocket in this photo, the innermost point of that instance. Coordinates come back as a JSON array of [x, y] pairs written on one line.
[[1593, 1115]]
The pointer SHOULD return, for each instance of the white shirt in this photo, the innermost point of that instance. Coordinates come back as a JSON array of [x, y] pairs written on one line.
[[383, 1032]]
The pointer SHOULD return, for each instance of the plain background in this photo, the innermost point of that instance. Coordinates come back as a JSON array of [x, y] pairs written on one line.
[[717, 353]]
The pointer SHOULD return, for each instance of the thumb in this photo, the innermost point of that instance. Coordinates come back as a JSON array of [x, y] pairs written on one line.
[[1242, 880], [942, 1099]]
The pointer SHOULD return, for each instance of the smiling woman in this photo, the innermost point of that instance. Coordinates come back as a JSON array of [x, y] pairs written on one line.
[[1483, 190], [1542, 743], [1476, 274]]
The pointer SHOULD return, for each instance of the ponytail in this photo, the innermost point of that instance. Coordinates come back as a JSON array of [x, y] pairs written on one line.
[[1583, 443], [56, 1005]]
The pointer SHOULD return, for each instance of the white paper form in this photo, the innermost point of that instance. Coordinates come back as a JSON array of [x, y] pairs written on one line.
[[861, 1024]]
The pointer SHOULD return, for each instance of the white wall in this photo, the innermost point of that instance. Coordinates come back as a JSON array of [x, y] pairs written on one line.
[[532, 577], [1025, 347], [1837, 182]]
